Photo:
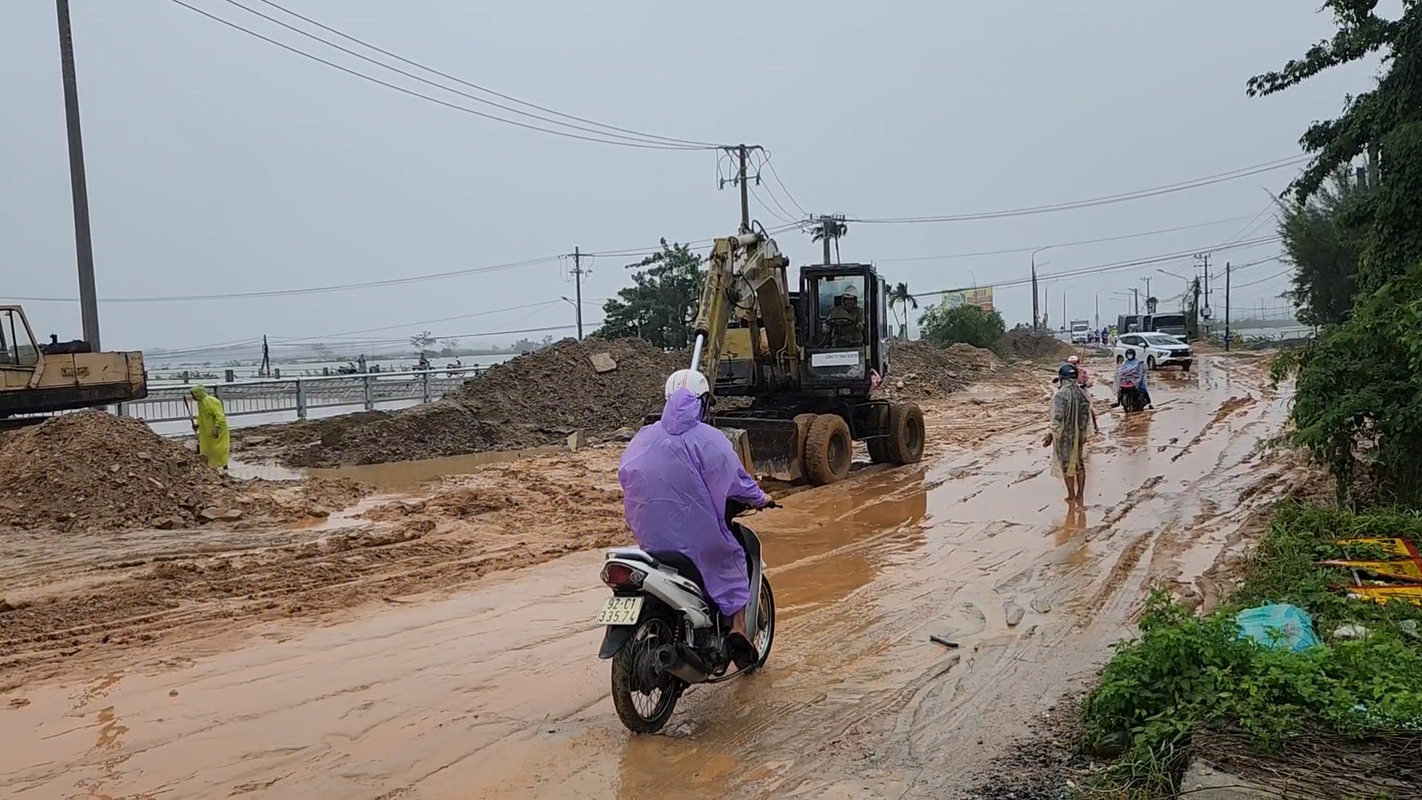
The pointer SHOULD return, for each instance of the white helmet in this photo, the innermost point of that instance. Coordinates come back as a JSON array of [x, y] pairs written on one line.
[[851, 291], [688, 379]]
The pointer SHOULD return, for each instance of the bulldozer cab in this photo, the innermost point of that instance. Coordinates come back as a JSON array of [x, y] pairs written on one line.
[[844, 324], [18, 349]]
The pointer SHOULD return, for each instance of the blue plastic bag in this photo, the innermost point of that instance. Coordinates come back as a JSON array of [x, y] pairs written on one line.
[[1278, 626]]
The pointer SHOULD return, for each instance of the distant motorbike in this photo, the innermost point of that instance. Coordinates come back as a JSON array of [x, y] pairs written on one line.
[[663, 632]]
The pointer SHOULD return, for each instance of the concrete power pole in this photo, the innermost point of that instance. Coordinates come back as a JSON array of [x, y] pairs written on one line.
[[578, 273], [741, 153], [79, 187], [1226, 306]]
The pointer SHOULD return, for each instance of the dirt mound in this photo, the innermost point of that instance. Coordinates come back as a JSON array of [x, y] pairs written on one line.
[[532, 400], [919, 370], [95, 471], [1035, 344]]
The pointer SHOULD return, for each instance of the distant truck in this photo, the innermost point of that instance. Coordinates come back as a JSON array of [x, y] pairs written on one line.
[[1169, 324], [1080, 331], [1128, 323]]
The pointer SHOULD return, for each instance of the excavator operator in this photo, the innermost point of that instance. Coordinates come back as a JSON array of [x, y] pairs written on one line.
[[844, 325]]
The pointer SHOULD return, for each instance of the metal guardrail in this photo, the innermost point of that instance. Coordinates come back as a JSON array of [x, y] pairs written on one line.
[[173, 403]]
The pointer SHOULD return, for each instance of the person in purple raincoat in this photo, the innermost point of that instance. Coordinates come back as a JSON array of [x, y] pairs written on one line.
[[676, 476]]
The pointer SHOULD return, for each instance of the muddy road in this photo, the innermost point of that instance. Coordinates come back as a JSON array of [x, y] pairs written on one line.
[[496, 691]]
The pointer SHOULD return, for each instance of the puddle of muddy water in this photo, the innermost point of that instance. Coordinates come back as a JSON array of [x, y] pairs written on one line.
[[400, 476]]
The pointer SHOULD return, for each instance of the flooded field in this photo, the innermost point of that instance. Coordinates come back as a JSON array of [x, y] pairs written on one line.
[[437, 641]]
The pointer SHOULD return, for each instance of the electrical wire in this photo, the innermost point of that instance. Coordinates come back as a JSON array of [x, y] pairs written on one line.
[[306, 290], [1275, 276], [485, 89], [763, 162], [1113, 267], [765, 159], [435, 100], [636, 137], [1014, 250], [1141, 194]]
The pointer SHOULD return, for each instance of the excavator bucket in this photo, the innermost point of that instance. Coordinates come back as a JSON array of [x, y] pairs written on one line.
[[768, 447]]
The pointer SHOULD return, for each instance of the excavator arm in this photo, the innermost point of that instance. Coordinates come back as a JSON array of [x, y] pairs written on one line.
[[746, 280]]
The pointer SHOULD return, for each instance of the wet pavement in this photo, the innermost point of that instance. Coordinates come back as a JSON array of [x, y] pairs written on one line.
[[497, 691]]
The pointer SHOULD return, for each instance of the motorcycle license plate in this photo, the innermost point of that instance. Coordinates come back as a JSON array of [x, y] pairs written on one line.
[[621, 611]]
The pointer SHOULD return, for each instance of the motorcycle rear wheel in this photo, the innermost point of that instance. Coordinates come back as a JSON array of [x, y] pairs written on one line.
[[636, 677]]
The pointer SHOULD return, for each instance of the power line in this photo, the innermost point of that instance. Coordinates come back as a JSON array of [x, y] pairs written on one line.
[[1140, 194], [413, 93], [484, 89], [776, 175], [306, 290], [1275, 276], [1113, 267], [636, 137], [1015, 250]]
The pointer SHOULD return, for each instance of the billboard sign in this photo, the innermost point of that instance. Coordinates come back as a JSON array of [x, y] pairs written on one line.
[[980, 297]]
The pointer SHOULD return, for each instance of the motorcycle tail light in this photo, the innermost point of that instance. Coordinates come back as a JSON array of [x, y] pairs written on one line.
[[621, 576]]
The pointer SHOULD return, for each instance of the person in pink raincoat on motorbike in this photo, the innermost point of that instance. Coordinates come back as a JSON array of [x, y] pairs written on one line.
[[677, 475]]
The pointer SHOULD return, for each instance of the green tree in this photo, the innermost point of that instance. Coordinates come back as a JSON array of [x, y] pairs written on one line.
[[829, 229], [899, 296], [423, 341], [660, 305], [968, 324], [1323, 239], [1358, 396]]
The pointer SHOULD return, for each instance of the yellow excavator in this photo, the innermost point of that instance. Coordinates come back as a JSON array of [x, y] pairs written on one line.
[[60, 376], [805, 361]]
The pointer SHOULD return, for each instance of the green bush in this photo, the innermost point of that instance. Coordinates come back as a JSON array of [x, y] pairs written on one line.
[[965, 324]]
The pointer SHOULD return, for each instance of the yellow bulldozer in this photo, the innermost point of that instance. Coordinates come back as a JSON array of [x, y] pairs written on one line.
[[60, 376], [801, 362]]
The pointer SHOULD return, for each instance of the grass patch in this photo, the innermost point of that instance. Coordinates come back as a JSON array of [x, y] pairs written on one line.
[[1185, 672]]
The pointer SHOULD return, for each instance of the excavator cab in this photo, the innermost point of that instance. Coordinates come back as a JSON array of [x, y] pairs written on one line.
[[843, 318], [60, 376]]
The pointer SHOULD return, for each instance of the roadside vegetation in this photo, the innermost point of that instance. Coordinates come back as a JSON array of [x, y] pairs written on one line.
[[1350, 708], [1194, 677]]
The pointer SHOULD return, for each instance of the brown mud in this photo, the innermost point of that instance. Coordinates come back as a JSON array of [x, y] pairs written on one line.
[[495, 690], [91, 473], [541, 398]]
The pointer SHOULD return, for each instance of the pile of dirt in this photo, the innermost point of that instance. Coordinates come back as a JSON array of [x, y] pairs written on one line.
[[95, 471], [922, 371], [532, 400], [1035, 344]]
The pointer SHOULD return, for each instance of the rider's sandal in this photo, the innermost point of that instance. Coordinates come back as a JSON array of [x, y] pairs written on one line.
[[743, 653]]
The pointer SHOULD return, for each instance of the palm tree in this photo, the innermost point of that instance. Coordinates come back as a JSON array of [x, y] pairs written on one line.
[[829, 229], [899, 295]]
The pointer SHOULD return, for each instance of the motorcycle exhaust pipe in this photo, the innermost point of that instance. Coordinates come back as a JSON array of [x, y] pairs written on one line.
[[684, 665]]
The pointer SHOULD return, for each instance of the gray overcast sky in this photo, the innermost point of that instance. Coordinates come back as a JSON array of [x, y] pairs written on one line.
[[218, 163]]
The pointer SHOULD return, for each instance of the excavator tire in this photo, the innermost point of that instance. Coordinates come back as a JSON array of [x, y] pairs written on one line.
[[878, 450], [905, 442], [829, 450]]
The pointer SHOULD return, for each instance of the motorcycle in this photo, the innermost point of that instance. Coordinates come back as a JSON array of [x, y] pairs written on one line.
[[1131, 398], [664, 634]]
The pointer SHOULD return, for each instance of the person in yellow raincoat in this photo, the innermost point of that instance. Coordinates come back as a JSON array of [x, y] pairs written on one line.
[[211, 426], [1072, 422]]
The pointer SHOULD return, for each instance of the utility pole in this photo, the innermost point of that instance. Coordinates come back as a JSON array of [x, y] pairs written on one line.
[[1097, 323], [578, 273], [1036, 313], [1149, 309], [1226, 306], [1204, 260], [83, 240], [1136, 300], [742, 152]]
